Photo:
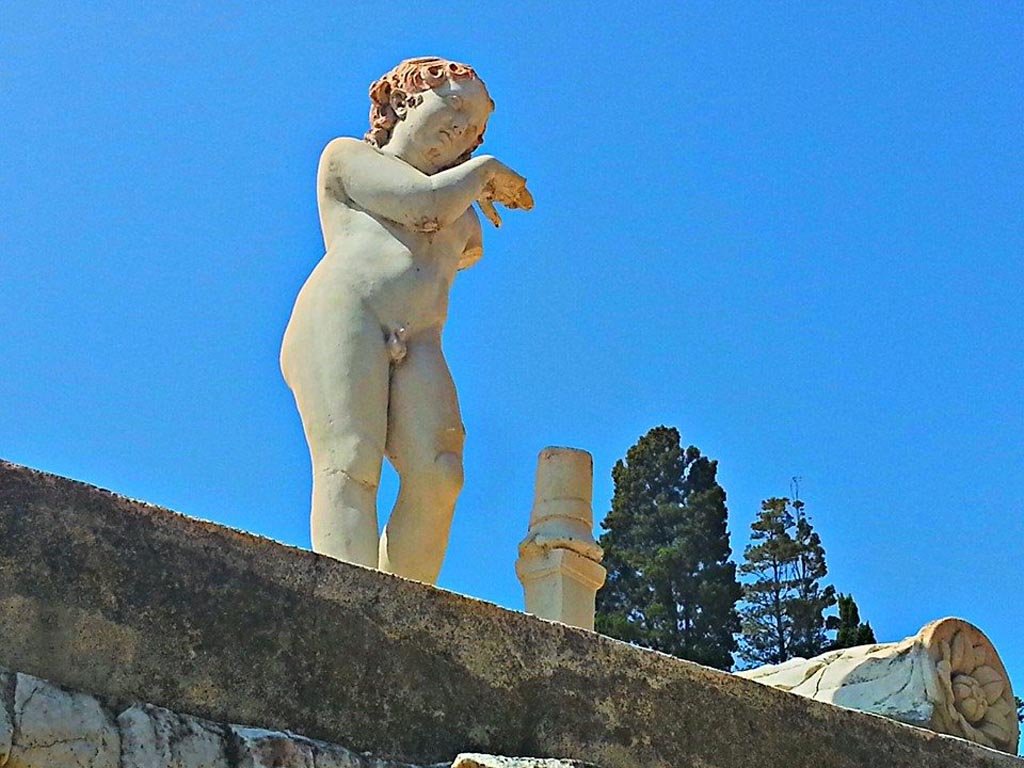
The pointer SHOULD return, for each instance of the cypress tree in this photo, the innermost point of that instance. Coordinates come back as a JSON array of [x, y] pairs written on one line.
[[670, 583], [850, 631]]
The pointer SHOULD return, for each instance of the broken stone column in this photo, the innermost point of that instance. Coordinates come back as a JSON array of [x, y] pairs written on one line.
[[559, 562]]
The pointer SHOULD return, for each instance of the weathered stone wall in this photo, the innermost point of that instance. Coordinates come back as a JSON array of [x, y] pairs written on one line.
[[45, 726], [135, 603]]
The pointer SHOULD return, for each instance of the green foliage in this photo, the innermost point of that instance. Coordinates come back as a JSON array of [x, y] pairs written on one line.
[[1020, 708], [670, 583], [785, 603], [850, 631]]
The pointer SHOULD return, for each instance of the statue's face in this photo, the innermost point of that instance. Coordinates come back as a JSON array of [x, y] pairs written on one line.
[[442, 124]]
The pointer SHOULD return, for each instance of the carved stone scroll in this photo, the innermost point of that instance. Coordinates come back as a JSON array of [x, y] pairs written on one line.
[[947, 678]]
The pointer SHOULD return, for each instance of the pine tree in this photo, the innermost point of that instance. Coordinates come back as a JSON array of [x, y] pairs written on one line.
[[850, 631], [670, 583], [785, 603]]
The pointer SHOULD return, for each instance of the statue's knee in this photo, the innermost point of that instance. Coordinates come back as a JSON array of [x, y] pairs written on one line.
[[441, 478], [449, 472]]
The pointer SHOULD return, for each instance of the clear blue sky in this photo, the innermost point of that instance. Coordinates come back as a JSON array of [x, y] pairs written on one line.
[[794, 233]]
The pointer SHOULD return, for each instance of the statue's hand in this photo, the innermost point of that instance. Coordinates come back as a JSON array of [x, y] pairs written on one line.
[[488, 209], [506, 187]]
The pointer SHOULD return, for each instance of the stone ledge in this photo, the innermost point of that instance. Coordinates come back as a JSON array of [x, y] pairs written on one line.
[[136, 603]]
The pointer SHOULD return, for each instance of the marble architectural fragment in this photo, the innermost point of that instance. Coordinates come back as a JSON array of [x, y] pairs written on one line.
[[947, 678], [55, 727], [362, 350], [51, 727], [559, 562], [260, 748], [159, 738]]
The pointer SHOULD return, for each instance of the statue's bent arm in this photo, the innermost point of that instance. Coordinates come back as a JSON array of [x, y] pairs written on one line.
[[394, 190]]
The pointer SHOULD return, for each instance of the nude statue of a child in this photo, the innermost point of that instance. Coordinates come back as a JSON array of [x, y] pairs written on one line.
[[362, 351]]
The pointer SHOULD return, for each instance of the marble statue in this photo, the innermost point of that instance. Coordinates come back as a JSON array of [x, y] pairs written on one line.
[[362, 350], [947, 678]]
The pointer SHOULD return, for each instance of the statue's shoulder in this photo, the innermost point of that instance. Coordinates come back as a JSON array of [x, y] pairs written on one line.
[[336, 158], [339, 158], [337, 150]]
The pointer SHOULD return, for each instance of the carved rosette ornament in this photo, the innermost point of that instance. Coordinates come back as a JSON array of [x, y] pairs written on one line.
[[975, 699], [947, 678]]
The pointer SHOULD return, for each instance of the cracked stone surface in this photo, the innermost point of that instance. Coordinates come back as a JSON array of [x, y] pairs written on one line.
[[333, 756], [54, 727], [473, 760], [259, 748], [154, 737], [45, 726], [948, 678]]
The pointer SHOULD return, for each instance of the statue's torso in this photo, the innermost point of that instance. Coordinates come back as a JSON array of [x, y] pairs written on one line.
[[401, 276]]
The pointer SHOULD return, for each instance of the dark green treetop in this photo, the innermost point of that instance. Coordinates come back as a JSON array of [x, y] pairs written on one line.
[[850, 631], [785, 602], [670, 583]]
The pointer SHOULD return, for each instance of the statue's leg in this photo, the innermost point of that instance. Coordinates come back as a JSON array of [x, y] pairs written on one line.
[[425, 437], [338, 371]]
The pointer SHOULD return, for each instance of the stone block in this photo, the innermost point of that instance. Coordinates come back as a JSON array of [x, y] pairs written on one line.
[[333, 756], [259, 748], [154, 737], [326, 755], [54, 728]]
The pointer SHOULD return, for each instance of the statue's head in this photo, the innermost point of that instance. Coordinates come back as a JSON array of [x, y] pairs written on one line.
[[431, 108]]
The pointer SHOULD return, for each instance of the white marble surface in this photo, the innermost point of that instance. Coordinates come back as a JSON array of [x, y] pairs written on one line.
[[156, 737], [559, 561], [55, 728]]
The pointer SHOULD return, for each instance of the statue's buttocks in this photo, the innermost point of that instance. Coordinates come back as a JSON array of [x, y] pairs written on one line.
[[362, 351]]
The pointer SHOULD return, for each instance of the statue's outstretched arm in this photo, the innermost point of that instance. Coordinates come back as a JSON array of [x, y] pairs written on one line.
[[394, 190]]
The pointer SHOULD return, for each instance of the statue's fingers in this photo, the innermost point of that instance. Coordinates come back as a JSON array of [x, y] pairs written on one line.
[[524, 199], [488, 209]]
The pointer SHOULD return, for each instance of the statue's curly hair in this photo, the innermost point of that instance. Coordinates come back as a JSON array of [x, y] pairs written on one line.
[[409, 78]]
